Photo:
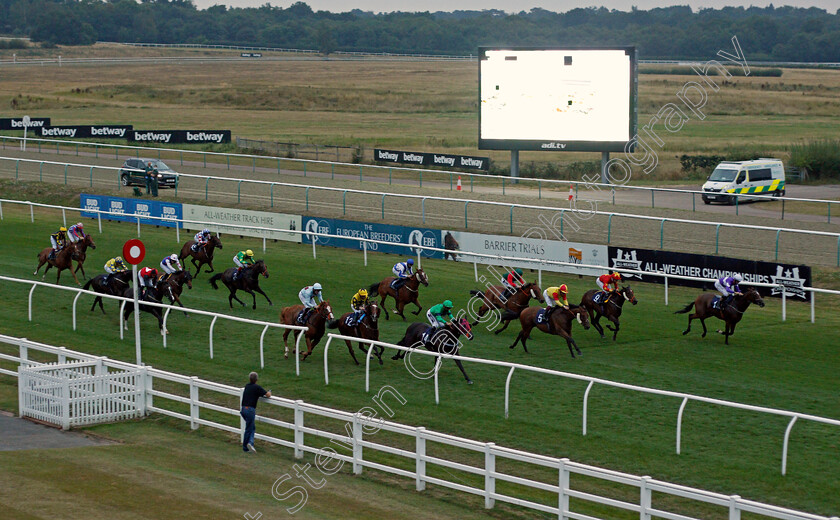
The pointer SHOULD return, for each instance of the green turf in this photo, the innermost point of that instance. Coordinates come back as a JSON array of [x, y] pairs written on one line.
[[789, 365]]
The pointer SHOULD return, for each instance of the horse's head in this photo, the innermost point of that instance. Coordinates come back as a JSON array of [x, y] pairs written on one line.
[[88, 241], [752, 296], [422, 277], [533, 290], [260, 267], [580, 315], [325, 310], [215, 241], [372, 310], [627, 292], [461, 326], [187, 278]]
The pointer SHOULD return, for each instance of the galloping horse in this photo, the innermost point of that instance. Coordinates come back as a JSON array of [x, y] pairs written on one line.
[[492, 299], [248, 281], [316, 323], [367, 328], [204, 255], [152, 295], [731, 315], [610, 310], [81, 247], [176, 282], [561, 325], [406, 294], [99, 283], [443, 340], [63, 260]]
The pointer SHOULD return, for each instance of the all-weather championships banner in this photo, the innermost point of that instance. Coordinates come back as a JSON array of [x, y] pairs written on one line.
[[538, 249], [792, 277], [87, 131], [386, 232], [179, 136], [432, 159], [16, 123], [127, 209], [215, 219]]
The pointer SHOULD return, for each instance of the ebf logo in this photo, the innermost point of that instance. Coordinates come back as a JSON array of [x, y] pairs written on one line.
[[424, 239], [318, 226]]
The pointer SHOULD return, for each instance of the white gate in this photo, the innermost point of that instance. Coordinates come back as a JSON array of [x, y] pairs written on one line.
[[79, 393]]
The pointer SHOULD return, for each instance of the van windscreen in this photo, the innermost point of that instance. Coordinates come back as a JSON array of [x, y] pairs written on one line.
[[723, 175]]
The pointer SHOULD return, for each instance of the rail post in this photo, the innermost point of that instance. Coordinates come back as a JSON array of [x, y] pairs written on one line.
[[784, 303], [562, 496], [652, 202], [344, 202], [32, 218], [358, 454], [507, 391], [813, 295], [253, 164], [421, 179], [383, 206], [30, 300], [17, 164], [562, 214], [194, 408], [679, 424], [539, 189], [450, 182], [489, 479], [307, 198], [91, 176], [332, 171], [471, 183], [298, 429], [360, 173], [666, 289], [74, 308], [420, 454], [466, 222], [829, 213], [503, 185], [736, 206], [278, 166], [271, 194], [693, 202], [511, 219], [783, 209], [262, 349], [212, 326], [645, 496], [65, 174], [661, 233], [785, 445], [64, 217], [390, 175], [304, 169], [717, 238], [41, 172], [586, 404], [364, 249], [182, 157], [138, 227], [227, 157], [609, 228], [206, 187], [205, 159], [778, 231], [239, 192], [423, 210]]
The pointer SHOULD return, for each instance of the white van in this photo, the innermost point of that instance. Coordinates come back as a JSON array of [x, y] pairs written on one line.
[[761, 176]]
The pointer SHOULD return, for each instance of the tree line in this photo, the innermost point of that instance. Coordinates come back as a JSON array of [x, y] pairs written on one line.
[[678, 32]]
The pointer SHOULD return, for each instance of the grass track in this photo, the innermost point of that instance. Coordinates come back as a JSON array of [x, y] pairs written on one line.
[[788, 365]]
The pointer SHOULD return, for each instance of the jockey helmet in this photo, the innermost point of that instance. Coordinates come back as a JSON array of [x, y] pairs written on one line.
[[616, 276], [118, 260], [448, 304], [563, 289], [363, 293], [153, 272], [62, 229], [410, 261], [316, 287], [737, 277], [249, 253], [205, 231], [173, 257], [80, 225], [518, 271]]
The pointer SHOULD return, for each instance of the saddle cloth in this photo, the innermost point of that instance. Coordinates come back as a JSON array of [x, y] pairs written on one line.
[[540, 318], [299, 318], [600, 297], [716, 302], [395, 284]]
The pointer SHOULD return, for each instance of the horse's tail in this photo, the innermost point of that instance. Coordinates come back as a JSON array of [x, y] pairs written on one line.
[[374, 288], [215, 278], [333, 324], [87, 284], [686, 309], [477, 293], [508, 315]]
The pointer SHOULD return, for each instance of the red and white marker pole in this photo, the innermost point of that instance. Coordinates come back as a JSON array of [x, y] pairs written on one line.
[[134, 251], [571, 193], [459, 184]]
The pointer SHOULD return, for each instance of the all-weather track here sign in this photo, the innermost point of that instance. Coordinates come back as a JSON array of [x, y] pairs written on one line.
[[134, 251]]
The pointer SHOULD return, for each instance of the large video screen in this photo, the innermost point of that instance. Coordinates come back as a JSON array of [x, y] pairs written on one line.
[[565, 99]]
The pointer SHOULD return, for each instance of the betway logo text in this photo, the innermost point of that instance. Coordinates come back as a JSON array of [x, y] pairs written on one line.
[[107, 131], [33, 123], [205, 136], [152, 136], [58, 132], [388, 156]]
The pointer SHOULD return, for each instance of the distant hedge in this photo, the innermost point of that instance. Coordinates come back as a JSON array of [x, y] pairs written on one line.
[[15, 43], [687, 71], [817, 159]]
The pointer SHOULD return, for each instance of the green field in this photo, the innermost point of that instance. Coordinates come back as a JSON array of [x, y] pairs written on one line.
[[790, 365]]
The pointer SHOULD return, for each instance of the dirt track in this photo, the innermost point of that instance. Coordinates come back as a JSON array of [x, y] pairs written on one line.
[[484, 217]]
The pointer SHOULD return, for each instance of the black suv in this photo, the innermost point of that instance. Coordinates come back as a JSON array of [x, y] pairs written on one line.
[[133, 173]]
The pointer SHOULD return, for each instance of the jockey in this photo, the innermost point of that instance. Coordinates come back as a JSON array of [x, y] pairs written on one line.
[[357, 305], [403, 271], [148, 280], [242, 260], [76, 233], [606, 280], [440, 314], [113, 266], [555, 297], [307, 297], [201, 238], [512, 281], [728, 286], [58, 241], [170, 265]]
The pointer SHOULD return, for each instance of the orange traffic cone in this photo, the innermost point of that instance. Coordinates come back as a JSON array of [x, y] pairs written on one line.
[[459, 184], [571, 193]]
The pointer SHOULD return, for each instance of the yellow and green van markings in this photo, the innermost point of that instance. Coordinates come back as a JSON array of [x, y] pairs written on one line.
[[774, 186]]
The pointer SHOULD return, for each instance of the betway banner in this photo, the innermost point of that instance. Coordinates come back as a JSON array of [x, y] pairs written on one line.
[[16, 123], [215, 219], [180, 136], [128, 210], [432, 159], [792, 277], [538, 249], [87, 131], [386, 232]]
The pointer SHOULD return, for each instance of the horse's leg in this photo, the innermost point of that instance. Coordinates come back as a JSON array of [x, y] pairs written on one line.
[[73, 273], [382, 305], [703, 322], [350, 348], [400, 308], [309, 347], [378, 351], [460, 366], [518, 337], [197, 266], [232, 297], [617, 326], [210, 263], [41, 262], [688, 329], [506, 323], [49, 265], [257, 289], [286, 342], [481, 312], [419, 307], [596, 322], [82, 267]]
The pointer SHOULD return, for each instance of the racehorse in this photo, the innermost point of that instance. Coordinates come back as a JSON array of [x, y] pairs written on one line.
[[731, 315], [561, 325], [492, 299], [176, 282], [99, 283], [316, 323], [63, 260], [610, 310], [367, 328], [443, 340], [204, 255], [451, 245], [248, 281], [81, 247], [406, 294], [154, 295]]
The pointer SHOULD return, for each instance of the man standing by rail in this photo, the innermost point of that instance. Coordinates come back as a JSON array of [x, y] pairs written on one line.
[[250, 395]]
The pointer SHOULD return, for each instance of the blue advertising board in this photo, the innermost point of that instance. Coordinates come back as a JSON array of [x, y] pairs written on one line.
[[128, 210], [407, 235]]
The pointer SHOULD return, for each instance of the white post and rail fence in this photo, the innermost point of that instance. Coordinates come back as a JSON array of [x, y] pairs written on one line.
[[547, 477]]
